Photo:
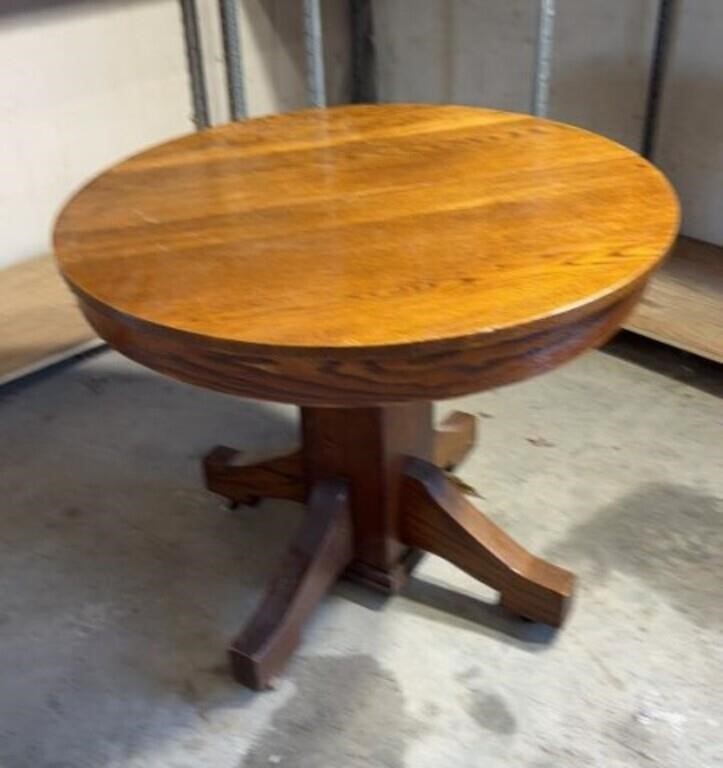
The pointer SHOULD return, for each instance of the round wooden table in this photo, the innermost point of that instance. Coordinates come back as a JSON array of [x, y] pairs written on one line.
[[361, 262]]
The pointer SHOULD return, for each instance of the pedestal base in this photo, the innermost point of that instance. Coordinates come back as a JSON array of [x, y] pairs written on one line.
[[377, 497]]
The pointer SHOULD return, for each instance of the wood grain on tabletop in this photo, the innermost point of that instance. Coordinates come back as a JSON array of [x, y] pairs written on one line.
[[357, 235]]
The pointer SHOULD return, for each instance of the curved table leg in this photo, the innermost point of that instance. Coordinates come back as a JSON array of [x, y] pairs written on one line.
[[435, 516], [320, 552], [280, 478], [453, 439]]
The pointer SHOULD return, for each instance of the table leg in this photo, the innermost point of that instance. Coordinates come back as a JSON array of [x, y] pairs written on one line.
[[437, 517], [282, 477], [279, 478], [316, 558], [454, 439]]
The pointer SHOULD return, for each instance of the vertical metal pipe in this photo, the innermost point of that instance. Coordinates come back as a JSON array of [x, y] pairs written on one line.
[[543, 57], [661, 47], [363, 86], [356, 19], [233, 60], [315, 84], [194, 57]]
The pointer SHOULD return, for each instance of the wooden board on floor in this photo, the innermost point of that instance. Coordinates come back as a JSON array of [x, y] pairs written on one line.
[[40, 321], [683, 305]]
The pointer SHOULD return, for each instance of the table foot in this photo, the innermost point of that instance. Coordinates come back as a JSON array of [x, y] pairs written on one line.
[[280, 478], [436, 517], [320, 552], [454, 438], [378, 497]]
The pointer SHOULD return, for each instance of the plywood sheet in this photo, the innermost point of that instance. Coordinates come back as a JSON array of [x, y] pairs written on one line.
[[40, 321], [683, 304]]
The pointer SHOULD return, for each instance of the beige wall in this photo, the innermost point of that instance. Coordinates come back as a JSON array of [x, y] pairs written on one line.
[[690, 137], [601, 65], [452, 51], [272, 44], [482, 52], [81, 85], [84, 83]]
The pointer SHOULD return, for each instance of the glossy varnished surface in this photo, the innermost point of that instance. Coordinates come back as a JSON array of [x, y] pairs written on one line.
[[298, 244]]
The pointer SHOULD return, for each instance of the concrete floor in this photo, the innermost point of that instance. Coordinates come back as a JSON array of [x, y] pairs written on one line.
[[122, 580]]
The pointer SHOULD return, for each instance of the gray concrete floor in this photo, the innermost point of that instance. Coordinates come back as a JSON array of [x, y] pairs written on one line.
[[122, 580]]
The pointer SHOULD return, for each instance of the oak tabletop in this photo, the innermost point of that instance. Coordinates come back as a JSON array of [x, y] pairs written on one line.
[[354, 230]]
